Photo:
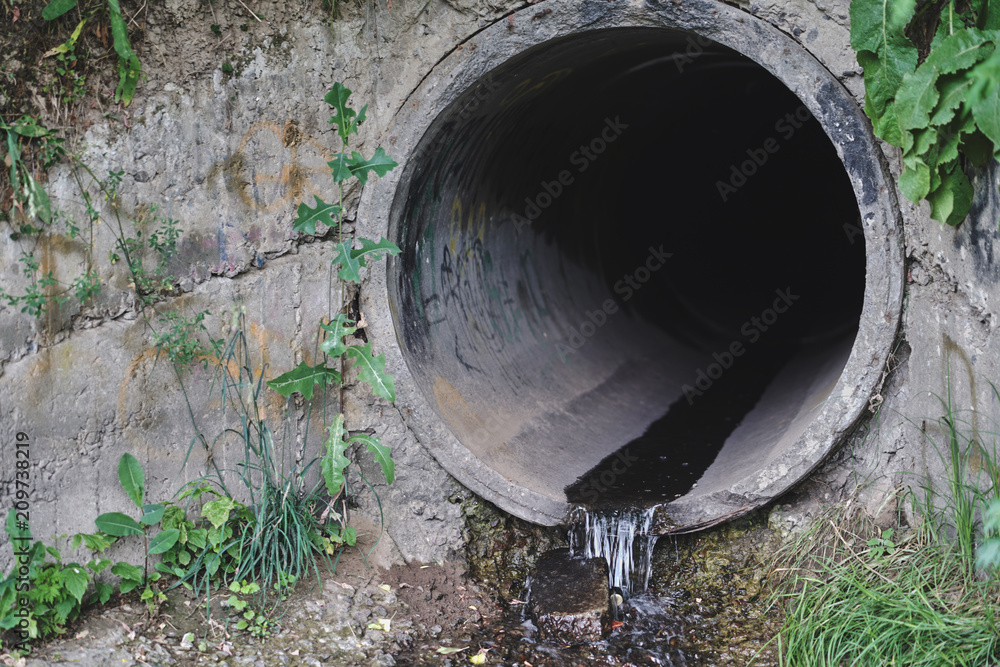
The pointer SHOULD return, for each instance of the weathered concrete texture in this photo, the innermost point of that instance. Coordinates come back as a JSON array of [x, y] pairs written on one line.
[[569, 597], [229, 157]]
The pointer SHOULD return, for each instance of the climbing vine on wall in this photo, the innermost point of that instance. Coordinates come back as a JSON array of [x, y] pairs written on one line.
[[932, 88]]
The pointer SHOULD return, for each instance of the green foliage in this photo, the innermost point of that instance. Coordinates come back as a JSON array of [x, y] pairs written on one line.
[[308, 217], [859, 595], [52, 594], [129, 67], [371, 368], [180, 339], [302, 379], [253, 620], [943, 110]]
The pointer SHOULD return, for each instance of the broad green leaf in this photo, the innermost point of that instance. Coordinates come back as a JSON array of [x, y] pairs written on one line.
[[380, 163], [75, 578], [340, 167], [336, 329], [350, 266], [217, 511], [38, 199], [308, 217], [381, 454], [127, 571], [28, 127], [877, 26], [104, 592], [119, 31], [988, 555], [129, 67], [163, 541], [916, 98], [447, 650], [197, 537], [915, 181], [344, 117], [950, 202], [303, 378], [63, 609], [887, 126], [132, 479], [369, 247], [371, 369], [118, 524], [96, 542], [57, 8], [129, 70], [12, 528], [99, 565], [953, 88], [334, 461], [984, 98], [960, 51], [991, 517], [152, 514]]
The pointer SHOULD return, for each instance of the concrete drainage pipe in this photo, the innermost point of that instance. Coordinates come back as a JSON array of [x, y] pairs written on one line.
[[650, 257]]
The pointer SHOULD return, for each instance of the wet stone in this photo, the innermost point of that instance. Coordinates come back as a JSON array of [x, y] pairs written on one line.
[[569, 596]]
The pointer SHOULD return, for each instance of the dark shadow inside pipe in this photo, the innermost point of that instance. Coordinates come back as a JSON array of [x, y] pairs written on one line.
[[625, 251]]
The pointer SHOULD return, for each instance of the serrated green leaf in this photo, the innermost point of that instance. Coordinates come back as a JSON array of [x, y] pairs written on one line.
[[887, 126], [118, 524], [127, 572], [381, 454], [217, 511], [915, 181], [380, 163], [984, 98], [877, 26], [303, 378], [152, 514], [340, 167], [75, 578], [334, 460], [307, 218], [960, 51], [132, 479], [374, 250], [104, 592], [350, 267], [951, 201], [916, 98], [344, 117], [371, 369], [953, 88], [336, 329], [163, 541], [57, 8]]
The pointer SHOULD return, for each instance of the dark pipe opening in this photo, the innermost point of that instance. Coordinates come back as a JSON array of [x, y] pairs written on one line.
[[620, 260]]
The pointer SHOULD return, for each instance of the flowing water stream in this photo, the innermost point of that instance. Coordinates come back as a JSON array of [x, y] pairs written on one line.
[[622, 538]]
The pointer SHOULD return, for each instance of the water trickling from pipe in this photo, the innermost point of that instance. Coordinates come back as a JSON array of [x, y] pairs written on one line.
[[623, 539]]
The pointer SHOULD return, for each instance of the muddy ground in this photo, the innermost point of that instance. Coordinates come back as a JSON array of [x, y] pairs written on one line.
[[706, 605]]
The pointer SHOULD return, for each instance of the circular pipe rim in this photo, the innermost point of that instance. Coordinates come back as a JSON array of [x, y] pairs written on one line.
[[848, 130]]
